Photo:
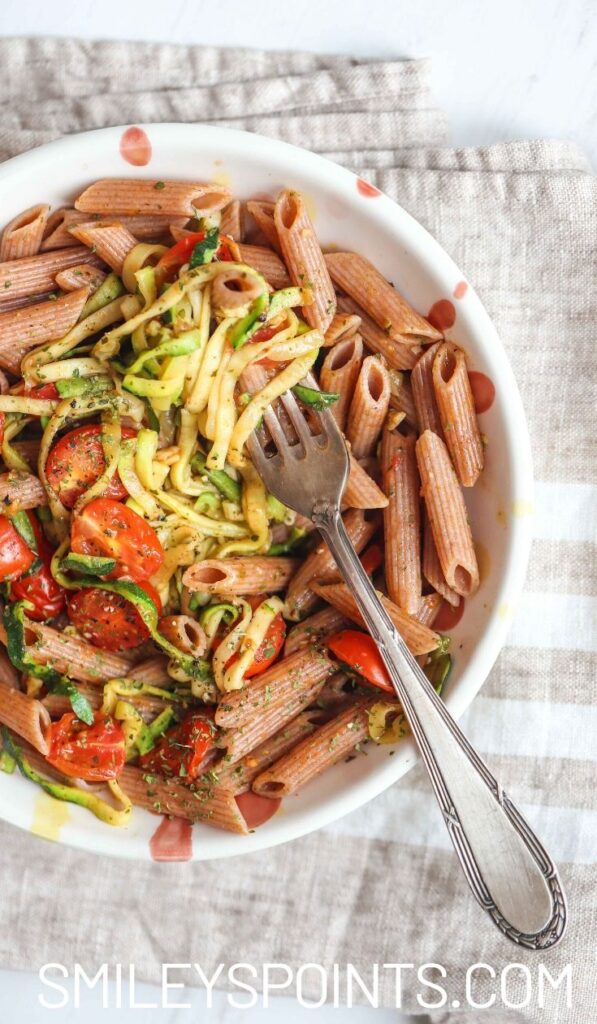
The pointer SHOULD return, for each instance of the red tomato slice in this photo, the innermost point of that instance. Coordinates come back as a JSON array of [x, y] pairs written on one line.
[[256, 809], [77, 460], [184, 750], [360, 653], [48, 391], [264, 334], [91, 752], [105, 527], [108, 620], [270, 646], [15, 556], [40, 588], [181, 253]]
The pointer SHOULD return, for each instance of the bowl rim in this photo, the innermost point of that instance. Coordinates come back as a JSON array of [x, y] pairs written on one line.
[[429, 251]]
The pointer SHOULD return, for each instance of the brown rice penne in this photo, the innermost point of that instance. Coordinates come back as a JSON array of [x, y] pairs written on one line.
[[401, 396], [267, 262], [231, 221], [185, 633], [24, 329], [423, 393], [320, 565], [343, 325], [23, 236], [143, 227], [356, 276], [397, 354], [35, 275], [285, 688], [74, 657], [263, 214], [241, 575], [195, 801], [361, 491], [418, 638], [135, 196], [238, 777], [447, 515], [428, 609], [456, 408], [152, 671], [304, 258], [28, 717], [402, 521], [339, 374], [324, 747], [432, 570], [81, 276], [111, 240], [368, 407], [314, 628], [20, 491]]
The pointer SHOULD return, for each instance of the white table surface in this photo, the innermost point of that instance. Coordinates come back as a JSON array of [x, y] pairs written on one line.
[[502, 71]]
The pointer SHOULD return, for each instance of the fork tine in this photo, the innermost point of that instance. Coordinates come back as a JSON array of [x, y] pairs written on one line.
[[275, 428], [258, 456], [296, 417]]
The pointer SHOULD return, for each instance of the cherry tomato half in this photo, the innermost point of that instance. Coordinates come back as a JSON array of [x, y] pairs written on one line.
[[76, 461], [108, 620], [270, 646], [360, 653], [371, 559], [40, 588], [47, 391], [105, 527], [184, 750], [181, 252], [91, 752], [15, 556]]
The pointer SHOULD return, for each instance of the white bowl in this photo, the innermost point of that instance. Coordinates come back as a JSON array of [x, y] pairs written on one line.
[[347, 215]]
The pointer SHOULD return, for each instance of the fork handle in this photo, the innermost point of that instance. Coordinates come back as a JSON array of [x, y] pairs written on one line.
[[509, 871]]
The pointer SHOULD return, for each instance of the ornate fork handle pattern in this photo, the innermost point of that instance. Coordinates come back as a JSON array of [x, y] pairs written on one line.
[[510, 873]]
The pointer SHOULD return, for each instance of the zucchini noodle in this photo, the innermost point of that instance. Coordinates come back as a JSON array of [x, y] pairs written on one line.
[[263, 616]]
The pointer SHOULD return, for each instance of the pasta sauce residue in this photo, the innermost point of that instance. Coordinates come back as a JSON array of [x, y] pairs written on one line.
[[442, 314], [483, 390]]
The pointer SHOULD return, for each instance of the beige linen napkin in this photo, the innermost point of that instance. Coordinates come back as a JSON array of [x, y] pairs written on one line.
[[382, 885]]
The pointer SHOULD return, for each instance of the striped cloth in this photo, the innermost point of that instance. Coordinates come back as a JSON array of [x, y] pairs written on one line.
[[380, 886]]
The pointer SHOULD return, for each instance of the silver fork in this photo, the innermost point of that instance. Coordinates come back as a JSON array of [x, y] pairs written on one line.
[[510, 873]]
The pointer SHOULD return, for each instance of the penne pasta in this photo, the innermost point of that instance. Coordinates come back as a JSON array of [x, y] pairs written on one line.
[[361, 491], [81, 276], [240, 575], [401, 397], [339, 374], [133, 197], [231, 222], [153, 671], [418, 638], [28, 717], [25, 329], [432, 570], [238, 777], [285, 688], [197, 801], [267, 262], [111, 240], [320, 565], [144, 226], [20, 491], [263, 215], [72, 656], [423, 393], [304, 258], [402, 525], [35, 275], [185, 633], [314, 629], [428, 609], [447, 515], [356, 276], [343, 326], [397, 354], [23, 236], [457, 414], [322, 749], [368, 407]]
